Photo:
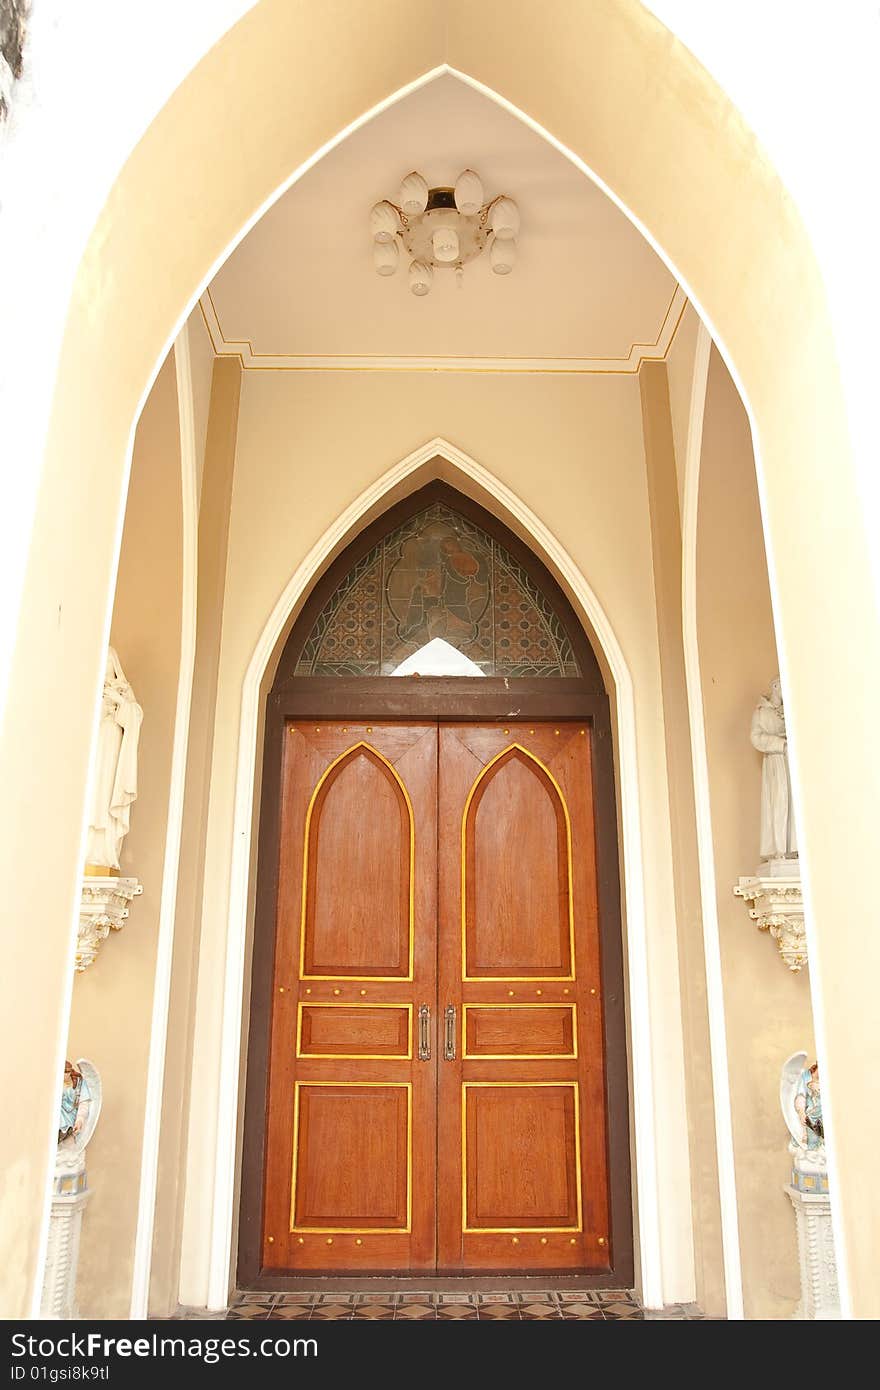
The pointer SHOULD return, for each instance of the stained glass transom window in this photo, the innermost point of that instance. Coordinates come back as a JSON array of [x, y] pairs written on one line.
[[438, 575]]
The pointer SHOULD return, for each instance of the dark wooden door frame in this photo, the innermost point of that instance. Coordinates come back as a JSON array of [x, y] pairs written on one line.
[[451, 698]]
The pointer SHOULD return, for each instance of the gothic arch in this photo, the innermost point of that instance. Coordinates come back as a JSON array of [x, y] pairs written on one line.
[[682, 198]]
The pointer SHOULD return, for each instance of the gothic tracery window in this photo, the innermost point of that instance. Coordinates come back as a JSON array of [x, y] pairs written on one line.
[[438, 578]]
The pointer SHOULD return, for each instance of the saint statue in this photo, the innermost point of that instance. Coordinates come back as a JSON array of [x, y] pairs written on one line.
[[778, 836], [115, 773]]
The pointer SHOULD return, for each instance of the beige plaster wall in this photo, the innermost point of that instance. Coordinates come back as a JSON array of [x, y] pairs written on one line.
[[679, 379], [308, 444], [201, 356], [112, 1001], [214, 512], [767, 1008], [660, 459]]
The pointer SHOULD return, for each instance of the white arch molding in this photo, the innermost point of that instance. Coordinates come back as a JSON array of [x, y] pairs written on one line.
[[648, 1196], [718, 338]]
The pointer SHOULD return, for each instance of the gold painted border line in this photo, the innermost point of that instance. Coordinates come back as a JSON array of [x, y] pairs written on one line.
[[352, 1056], [668, 348], [353, 1230], [522, 979], [519, 1056], [520, 1230], [253, 361], [362, 743]]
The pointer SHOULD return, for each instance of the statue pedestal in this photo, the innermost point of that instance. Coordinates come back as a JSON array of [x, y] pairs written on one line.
[[788, 866], [820, 1299], [103, 908], [776, 904], [69, 1197]]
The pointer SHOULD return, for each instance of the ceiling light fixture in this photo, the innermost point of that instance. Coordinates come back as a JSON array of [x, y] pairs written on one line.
[[443, 228]]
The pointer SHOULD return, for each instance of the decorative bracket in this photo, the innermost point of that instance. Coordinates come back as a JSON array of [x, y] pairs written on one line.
[[103, 907], [776, 904]]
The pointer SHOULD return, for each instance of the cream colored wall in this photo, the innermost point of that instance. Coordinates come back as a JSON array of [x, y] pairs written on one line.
[[666, 545], [617, 89], [679, 379], [767, 1008], [572, 450], [201, 355], [214, 515], [112, 1001]]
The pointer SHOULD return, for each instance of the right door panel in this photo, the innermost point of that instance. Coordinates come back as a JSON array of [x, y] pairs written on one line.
[[522, 1133]]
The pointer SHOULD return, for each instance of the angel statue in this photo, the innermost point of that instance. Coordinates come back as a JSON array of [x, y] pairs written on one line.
[[76, 1102], [768, 736], [800, 1096], [808, 1104], [801, 1099], [79, 1110]]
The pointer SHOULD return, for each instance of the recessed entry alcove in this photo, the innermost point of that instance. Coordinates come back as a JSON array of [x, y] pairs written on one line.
[[407, 841]]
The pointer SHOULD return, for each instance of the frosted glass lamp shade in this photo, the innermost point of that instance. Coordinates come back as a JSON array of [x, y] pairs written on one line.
[[504, 218], [503, 255], [413, 194], [385, 254], [445, 244], [420, 277], [468, 193], [384, 222]]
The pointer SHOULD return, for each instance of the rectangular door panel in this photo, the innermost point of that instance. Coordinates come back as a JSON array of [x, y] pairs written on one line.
[[365, 1031], [350, 1164], [523, 1181], [368, 1123], [521, 1155], [505, 1032]]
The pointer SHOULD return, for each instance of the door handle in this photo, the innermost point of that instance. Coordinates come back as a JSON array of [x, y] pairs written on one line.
[[424, 1033], [449, 1045]]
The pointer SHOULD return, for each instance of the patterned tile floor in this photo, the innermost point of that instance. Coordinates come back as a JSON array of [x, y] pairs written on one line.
[[597, 1306]]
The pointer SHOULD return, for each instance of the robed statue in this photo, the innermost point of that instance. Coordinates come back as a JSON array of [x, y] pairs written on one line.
[[778, 836], [114, 785]]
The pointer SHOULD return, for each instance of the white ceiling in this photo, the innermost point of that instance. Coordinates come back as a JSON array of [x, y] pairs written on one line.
[[302, 283]]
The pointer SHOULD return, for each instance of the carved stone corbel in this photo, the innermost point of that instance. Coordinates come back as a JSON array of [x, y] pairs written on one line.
[[103, 908], [776, 905]]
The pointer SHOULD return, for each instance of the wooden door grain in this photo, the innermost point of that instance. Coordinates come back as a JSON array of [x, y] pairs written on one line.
[[523, 1174], [350, 1180]]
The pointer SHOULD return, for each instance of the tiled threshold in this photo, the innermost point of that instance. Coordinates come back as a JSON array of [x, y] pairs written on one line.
[[606, 1305]]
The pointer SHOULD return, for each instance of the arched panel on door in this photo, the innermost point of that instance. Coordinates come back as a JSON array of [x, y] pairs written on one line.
[[360, 832], [516, 873]]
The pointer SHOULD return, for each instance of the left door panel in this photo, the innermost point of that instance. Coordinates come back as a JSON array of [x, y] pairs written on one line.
[[351, 1153]]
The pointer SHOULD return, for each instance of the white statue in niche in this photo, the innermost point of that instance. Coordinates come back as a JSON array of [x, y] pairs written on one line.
[[115, 779], [778, 836]]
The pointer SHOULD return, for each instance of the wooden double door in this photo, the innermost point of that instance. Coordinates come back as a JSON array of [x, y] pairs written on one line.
[[436, 1095]]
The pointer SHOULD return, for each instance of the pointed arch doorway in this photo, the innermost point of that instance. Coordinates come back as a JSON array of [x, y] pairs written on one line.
[[437, 1076]]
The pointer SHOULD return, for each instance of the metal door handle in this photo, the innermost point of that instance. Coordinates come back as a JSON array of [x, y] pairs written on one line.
[[449, 1046], [424, 1033]]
